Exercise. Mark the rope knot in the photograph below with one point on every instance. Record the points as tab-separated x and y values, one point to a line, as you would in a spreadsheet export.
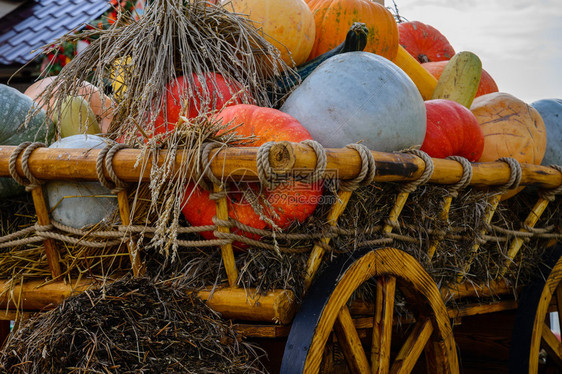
105	158
367	173
26	147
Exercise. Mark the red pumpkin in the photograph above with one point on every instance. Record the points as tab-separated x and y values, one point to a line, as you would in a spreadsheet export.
487	84
452	130
182	98
290	202
424	42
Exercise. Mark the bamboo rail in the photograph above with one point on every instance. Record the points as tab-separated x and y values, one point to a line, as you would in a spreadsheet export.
240	163
234	303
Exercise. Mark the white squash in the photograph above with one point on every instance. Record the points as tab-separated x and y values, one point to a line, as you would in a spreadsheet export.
360	97
79	204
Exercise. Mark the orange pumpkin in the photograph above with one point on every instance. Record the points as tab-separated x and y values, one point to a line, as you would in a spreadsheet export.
287	24
511	128
333	19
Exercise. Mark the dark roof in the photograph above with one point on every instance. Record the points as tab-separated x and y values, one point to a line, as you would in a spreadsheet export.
40	22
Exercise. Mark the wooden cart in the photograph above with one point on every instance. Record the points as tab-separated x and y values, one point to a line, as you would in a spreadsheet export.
330	319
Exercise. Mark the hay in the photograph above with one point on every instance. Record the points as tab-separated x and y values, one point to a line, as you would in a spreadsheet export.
173	38
134	326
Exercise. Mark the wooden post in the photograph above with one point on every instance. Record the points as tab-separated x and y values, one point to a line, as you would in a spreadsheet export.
43	220
396	210
317	252
517	242
443	216
226	249
124	212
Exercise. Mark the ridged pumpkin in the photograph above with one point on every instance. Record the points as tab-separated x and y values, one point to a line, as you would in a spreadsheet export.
287	24
511	128
487	83
424	42
333	19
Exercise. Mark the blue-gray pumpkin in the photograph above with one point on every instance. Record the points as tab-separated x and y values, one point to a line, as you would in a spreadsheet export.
360	97
551	113
79	204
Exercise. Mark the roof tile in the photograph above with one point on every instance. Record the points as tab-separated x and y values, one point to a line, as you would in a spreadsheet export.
41	22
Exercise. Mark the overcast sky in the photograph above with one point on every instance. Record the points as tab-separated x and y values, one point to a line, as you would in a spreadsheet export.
518	41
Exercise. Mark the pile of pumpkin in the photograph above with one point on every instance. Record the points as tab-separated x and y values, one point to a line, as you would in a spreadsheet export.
365	79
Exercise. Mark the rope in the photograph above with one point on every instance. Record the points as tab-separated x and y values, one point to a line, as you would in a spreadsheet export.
105	157
321	161
269	179
467	172
368	168
205	164
426	175
25	147
264	168
515	176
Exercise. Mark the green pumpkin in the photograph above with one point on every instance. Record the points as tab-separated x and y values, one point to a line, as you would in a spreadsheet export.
14	108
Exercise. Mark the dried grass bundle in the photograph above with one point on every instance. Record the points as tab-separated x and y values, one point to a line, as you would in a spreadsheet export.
134	326
192	39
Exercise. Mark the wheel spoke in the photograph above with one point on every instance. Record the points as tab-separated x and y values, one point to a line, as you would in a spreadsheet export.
350	344
382	326
413	347
551	344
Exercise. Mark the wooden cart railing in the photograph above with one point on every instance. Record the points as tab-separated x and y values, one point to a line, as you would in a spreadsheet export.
43	164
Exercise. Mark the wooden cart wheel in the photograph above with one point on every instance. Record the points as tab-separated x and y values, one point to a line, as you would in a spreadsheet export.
534	347
325	310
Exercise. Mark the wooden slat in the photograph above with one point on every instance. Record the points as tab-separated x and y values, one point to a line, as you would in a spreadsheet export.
473	310
263	331
551	344
43	219
468	289
443	217
382	325
517	242
412	348
363	323
240	162
315	258
124	212
349	342
226	249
